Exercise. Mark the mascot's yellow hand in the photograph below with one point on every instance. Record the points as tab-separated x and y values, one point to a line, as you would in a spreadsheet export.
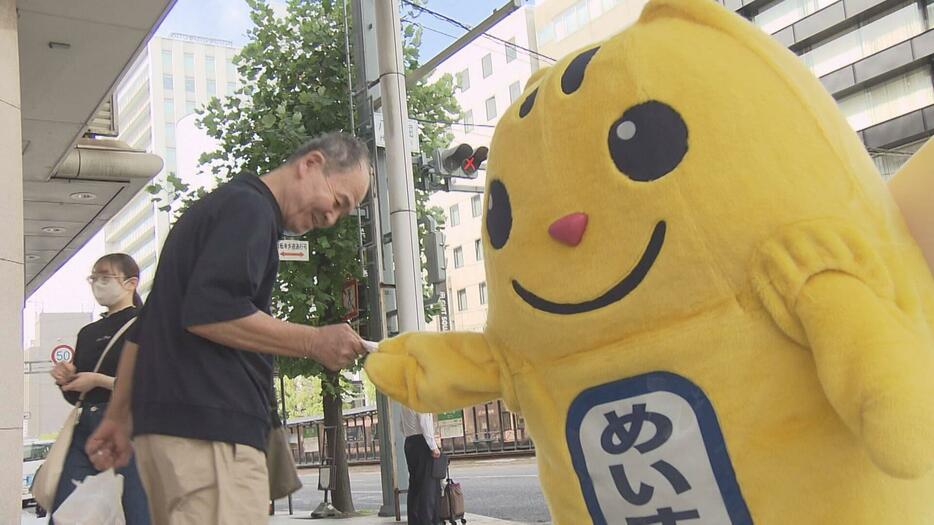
434	372
876	367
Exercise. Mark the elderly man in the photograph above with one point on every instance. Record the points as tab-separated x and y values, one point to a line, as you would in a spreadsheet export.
197	368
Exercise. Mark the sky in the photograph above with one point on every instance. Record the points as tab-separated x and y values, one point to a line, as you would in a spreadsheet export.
230	20
67	290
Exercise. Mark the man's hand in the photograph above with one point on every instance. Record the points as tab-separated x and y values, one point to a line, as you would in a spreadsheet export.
109	446
435	453
63	373
335	346
84	382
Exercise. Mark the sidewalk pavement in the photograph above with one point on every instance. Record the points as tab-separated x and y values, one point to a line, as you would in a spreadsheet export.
372	519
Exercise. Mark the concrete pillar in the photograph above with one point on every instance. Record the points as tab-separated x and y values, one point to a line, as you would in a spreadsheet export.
11	270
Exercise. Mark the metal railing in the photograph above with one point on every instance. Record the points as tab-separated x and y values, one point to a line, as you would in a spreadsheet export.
481	430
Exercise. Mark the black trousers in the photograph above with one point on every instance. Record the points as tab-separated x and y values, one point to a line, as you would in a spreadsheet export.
424	491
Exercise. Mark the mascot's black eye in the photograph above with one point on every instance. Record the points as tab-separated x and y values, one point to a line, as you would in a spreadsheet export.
527	104
648	141
498	215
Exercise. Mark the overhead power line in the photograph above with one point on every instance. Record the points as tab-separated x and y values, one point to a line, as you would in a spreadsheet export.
466	27
452	123
523	58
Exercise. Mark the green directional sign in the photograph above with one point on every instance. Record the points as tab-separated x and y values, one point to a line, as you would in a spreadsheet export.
451	424
453	414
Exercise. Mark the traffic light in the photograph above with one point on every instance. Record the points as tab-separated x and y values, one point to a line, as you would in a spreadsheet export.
473	162
450	160
460	161
434	251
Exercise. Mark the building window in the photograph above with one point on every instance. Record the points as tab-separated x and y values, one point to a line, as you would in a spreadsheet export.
567	22
166	60
167	82
546	34
887	100
487	63
461	300
866	40
511	50
231	88
476	205
209	66
889	162
468	121
212	87
515	91
463	80
482	293
190	106
232	70
782	13
168	106
170	159
459	257
455	215
478	249
170	134
190	84
189	63
491	108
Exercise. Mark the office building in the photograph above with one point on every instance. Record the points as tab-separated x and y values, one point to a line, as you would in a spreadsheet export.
169	81
490	75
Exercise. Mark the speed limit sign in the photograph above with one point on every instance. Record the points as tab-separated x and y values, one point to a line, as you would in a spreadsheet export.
62	354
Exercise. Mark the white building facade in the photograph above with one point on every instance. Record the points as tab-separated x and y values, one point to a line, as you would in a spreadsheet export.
175	76
44	407
490	74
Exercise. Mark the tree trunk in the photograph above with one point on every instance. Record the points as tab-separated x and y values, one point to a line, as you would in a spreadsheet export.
341	496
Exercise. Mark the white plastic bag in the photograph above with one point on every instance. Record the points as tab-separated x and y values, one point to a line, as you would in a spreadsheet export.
96	501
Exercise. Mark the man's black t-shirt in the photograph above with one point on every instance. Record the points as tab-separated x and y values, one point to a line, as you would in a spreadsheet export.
92	340
219	263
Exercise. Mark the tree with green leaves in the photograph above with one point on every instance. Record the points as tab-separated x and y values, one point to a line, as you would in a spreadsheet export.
297	73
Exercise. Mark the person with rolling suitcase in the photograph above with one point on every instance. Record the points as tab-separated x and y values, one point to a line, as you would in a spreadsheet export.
420	454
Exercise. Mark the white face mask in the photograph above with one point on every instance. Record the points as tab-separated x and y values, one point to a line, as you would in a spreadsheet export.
108	294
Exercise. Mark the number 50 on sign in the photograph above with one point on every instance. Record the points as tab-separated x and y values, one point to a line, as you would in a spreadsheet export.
62	354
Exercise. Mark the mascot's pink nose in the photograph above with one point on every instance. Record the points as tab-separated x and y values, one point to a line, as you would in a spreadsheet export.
569	229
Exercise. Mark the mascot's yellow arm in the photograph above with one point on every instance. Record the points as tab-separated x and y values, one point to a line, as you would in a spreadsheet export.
875	367
435	372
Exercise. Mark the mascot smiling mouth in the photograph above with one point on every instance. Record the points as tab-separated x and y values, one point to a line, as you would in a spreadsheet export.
622	288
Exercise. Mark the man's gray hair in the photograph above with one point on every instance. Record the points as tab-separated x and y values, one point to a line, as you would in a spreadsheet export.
341	151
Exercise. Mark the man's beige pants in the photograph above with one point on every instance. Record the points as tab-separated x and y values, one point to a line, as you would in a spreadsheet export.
195	482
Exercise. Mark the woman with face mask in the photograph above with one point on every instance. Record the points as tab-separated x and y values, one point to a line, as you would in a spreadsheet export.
113	281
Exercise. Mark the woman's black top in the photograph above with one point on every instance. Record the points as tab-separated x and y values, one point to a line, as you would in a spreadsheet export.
92	340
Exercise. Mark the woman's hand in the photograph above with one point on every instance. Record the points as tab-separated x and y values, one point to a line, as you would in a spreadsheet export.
63	373
86	381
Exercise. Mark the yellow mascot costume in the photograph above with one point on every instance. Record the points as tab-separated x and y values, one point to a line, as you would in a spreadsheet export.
703	298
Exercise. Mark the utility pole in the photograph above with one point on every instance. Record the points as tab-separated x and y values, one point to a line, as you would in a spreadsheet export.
391	248
378	247
406	254
410	308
